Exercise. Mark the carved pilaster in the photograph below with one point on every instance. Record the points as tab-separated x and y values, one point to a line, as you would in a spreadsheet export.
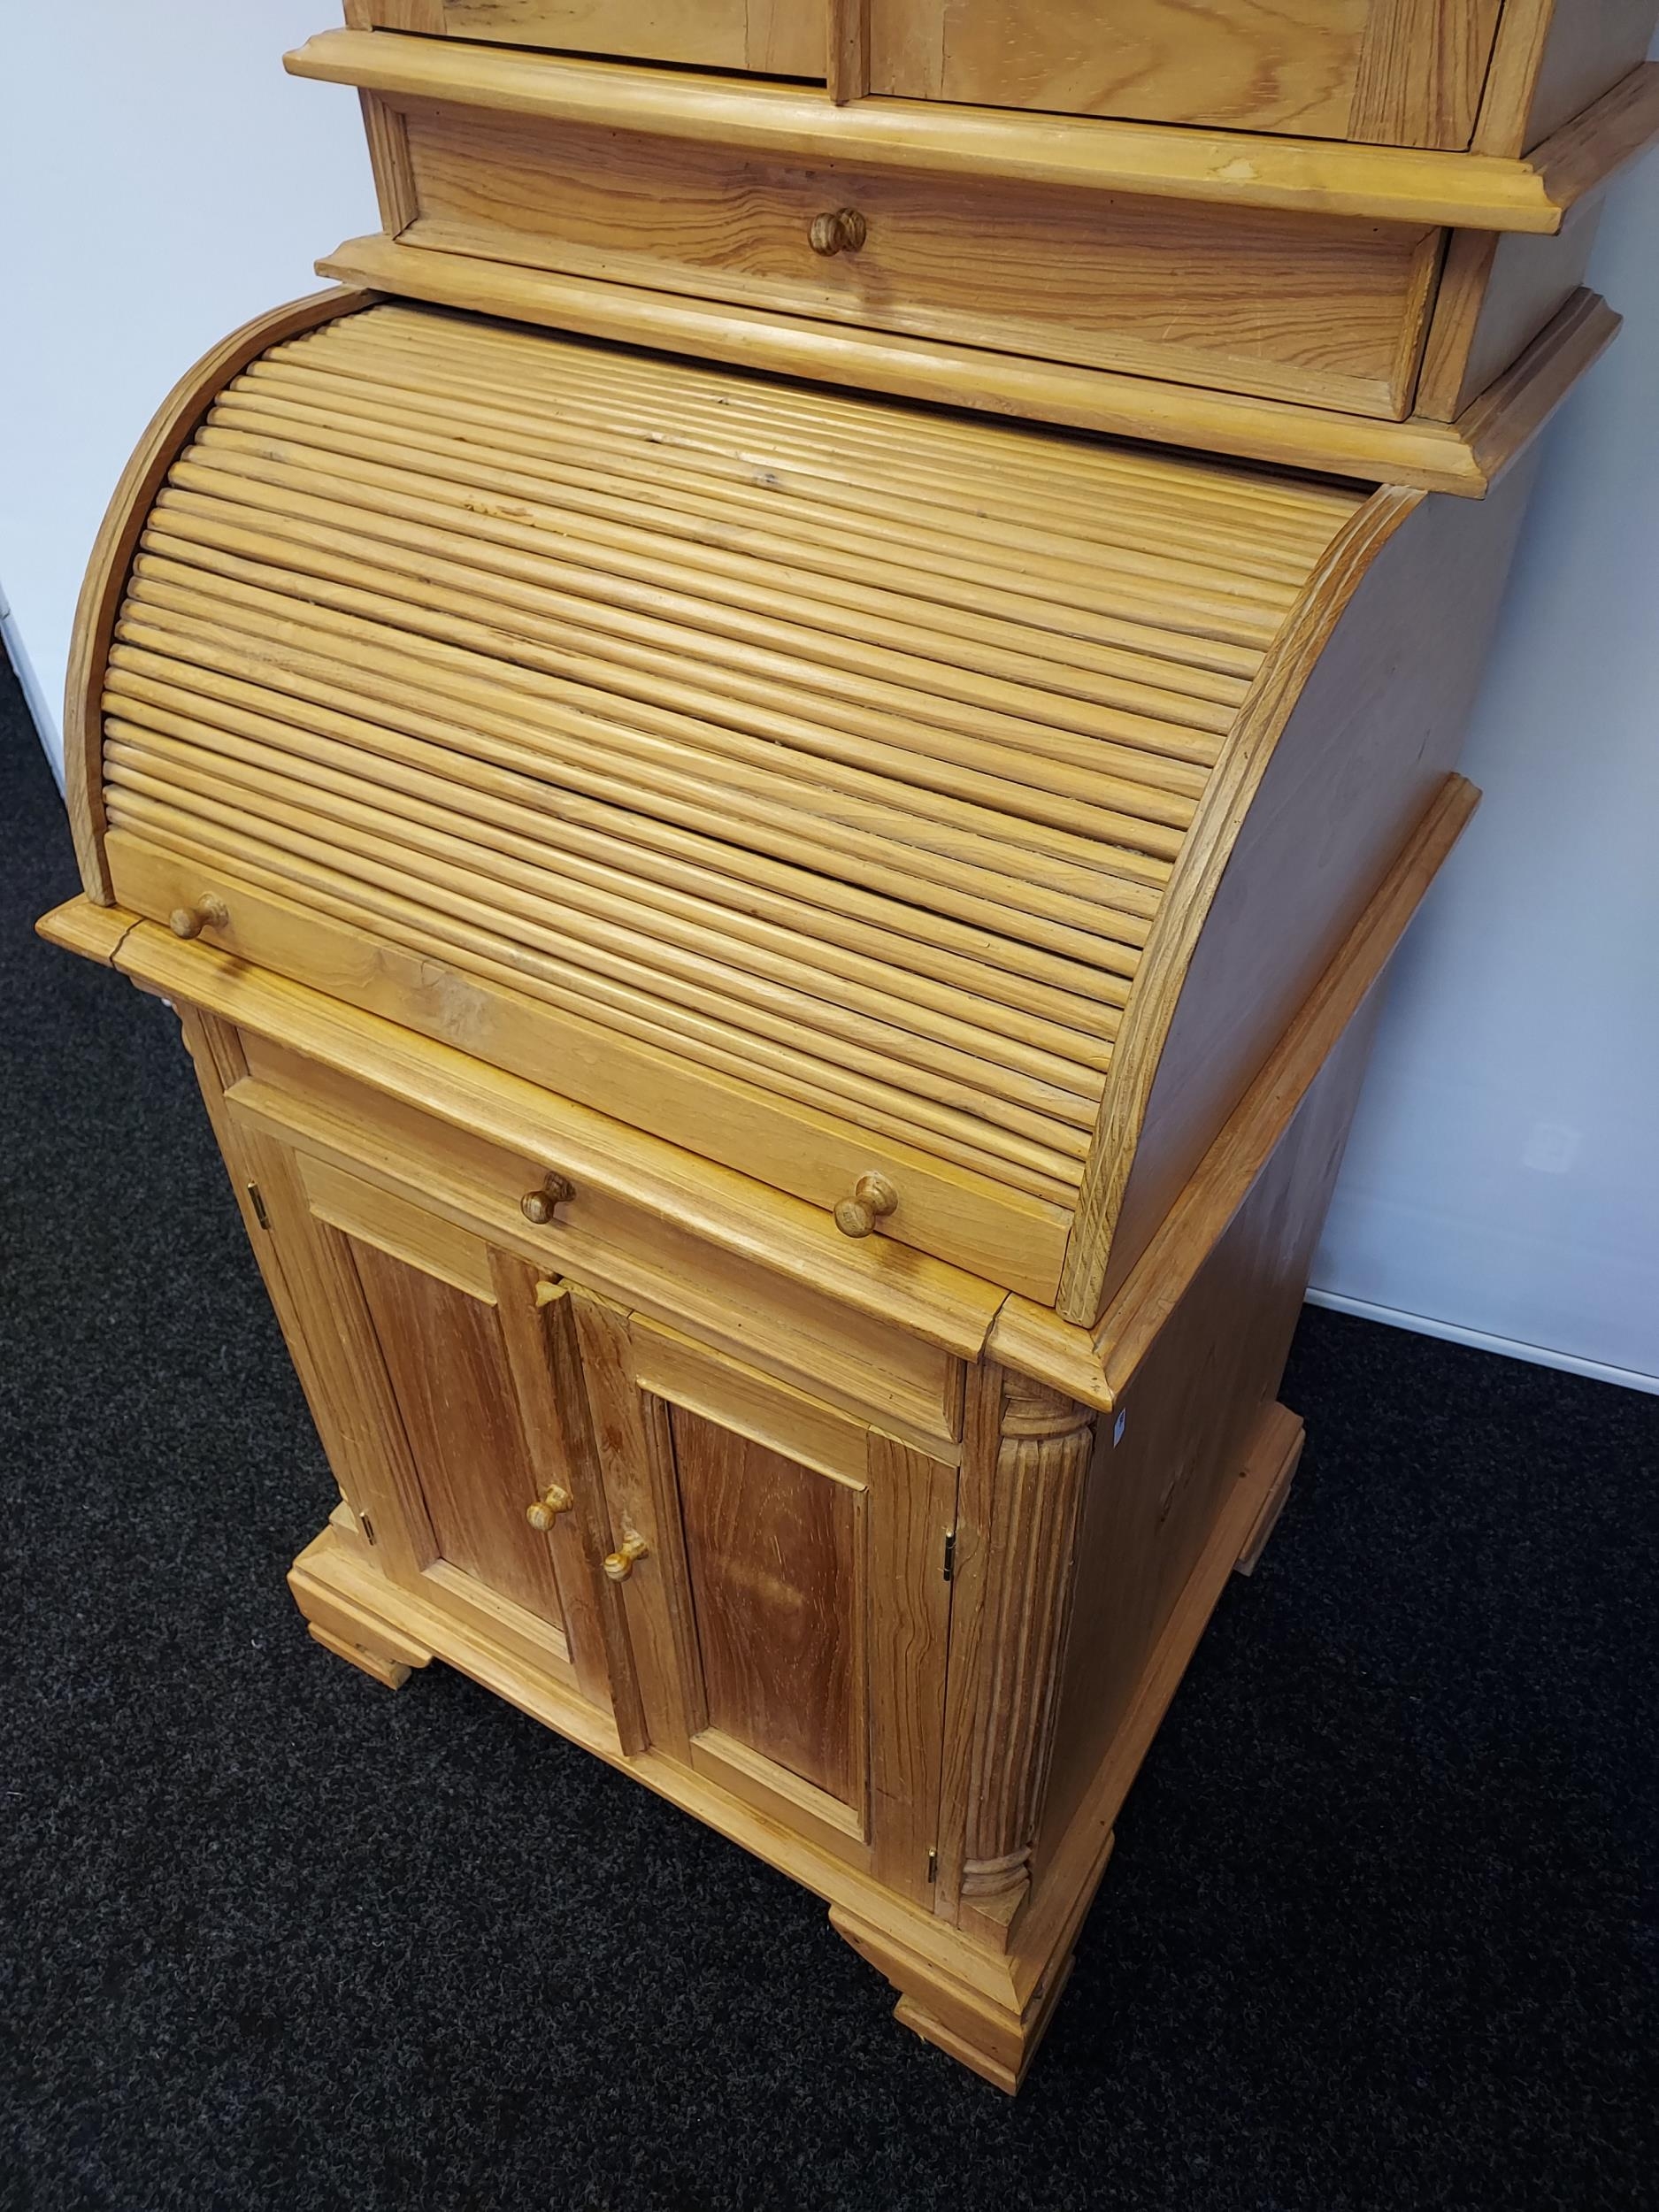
1043	1456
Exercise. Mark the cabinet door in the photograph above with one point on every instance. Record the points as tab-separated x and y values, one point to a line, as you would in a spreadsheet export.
1405	73
788	1605
454	1411
784	38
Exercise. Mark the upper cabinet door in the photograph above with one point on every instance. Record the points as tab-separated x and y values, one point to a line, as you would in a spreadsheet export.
784	38
1401	73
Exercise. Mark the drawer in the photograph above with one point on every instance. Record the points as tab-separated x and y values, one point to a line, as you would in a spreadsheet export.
1279	306
462	1181
770	37
1402	72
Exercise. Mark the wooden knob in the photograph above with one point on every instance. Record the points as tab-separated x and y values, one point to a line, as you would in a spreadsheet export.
844	232
619	1563
191	921
873	1197
537	1205
544	1510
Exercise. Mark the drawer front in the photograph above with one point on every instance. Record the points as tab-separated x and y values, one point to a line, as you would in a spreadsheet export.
1401	73
1285	306
773	37
905	1386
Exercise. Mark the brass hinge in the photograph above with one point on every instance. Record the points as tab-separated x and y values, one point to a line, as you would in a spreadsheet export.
950	1553
256	1199
932	1866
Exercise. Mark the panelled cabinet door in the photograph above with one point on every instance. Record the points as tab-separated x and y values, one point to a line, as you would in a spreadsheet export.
786	1597
456	1428
776	37
1401	73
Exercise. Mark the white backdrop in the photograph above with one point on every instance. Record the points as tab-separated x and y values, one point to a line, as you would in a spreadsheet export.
163	180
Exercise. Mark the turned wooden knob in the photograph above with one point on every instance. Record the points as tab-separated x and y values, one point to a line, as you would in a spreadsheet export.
544	1510
191	921
537	1205
844	232
619	1563
873	1197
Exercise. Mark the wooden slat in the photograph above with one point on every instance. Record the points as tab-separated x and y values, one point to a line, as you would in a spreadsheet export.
1047	1050
1013	1164
709	441
816	745
964	872
993	969
604	945
1105	796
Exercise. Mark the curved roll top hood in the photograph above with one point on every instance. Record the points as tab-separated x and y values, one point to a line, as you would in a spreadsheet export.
805	773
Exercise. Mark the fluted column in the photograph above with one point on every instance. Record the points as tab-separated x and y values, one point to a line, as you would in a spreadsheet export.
1043	1456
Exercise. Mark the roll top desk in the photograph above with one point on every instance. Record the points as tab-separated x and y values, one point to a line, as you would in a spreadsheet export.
772	761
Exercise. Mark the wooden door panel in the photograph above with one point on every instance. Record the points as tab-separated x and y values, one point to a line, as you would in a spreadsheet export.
451	1393
775	1552
1386	71
777	37
789	1613
443	1352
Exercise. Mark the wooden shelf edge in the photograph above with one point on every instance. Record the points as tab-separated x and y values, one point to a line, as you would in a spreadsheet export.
86	926
1418	454
1096	1365
1234	168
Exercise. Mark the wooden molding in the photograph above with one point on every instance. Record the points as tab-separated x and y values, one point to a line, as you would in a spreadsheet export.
1586	154
1429	455
1043	1456
1378	183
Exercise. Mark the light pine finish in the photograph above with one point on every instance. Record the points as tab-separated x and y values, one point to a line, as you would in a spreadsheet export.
652	1185
781	974
775	35
1477	191
1404	72
1043	1444
968	1898
170	431
781	1672
849	53
804	1337
1293	307
362	1127
387	132
963	1218
1038	819
312	733
1320	725
1465	456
